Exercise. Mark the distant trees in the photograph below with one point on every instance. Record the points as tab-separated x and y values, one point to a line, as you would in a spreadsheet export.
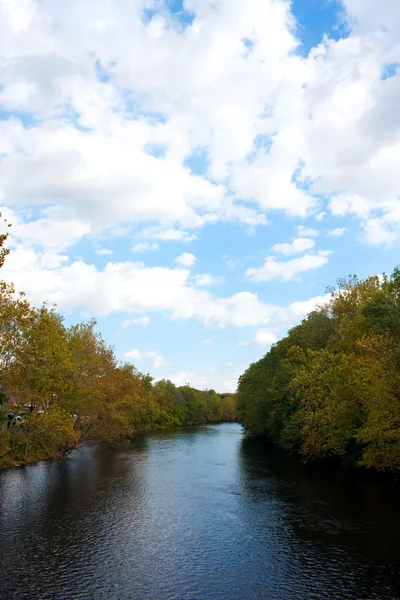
332	386
82	391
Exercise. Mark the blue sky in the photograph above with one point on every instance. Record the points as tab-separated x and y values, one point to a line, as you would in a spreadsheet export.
194	175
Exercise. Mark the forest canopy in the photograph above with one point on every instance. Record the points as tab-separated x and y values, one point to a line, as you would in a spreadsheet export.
60	386
331	387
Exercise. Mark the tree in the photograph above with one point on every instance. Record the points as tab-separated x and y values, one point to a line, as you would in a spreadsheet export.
331	386
43	367
327	414
3	238
16	317
92	362
229	411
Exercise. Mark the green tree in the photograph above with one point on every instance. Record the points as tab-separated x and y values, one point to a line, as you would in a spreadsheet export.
16	318
331	386
40	372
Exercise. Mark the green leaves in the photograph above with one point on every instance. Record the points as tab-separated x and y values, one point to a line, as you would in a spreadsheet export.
332	386
3	238
73	376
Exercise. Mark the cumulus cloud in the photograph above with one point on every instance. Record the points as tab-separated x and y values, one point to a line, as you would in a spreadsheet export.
144	247
307	231
137	354
223	379
285	270
186	259
97	156
156	358
167	235
159	361
107	115
382	230
133	287
262	337
298	246
338	232
187	377
50	234
139	321
204	279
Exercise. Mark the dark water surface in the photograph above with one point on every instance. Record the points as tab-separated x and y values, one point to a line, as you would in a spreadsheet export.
197	513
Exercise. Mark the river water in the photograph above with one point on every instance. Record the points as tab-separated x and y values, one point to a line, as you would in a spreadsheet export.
198	513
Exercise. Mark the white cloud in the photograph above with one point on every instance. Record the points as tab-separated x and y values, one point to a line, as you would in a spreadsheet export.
186	377
104	251
81	168
144	247
198	85
298	246
273	269
338	232
154	356
383	230
208	341
139	321
159	361
223	379
262	337
347	203
131	287
307	231
265	337
106	141
320	216
295	312
230	262
186	259
50	234
204	279
138	355
167	235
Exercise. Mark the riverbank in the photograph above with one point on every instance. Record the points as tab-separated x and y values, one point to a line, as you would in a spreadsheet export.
65	385
124	442
330	388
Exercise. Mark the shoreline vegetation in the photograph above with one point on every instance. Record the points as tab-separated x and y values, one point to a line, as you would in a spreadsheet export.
330	389
63	386
121	442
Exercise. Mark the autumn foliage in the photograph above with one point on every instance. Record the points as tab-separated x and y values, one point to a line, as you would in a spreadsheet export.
60	386
331	388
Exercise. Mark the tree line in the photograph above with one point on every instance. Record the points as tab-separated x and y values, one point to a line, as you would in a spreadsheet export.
331	387
60	386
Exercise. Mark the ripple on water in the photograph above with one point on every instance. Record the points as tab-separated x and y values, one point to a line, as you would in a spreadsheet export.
200	513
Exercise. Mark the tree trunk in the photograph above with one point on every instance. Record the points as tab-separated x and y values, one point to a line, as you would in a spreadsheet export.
4	415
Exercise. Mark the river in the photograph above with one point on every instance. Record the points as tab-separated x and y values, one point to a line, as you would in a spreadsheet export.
197	513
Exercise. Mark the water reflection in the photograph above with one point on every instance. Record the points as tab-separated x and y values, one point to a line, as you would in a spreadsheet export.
345	525
198	513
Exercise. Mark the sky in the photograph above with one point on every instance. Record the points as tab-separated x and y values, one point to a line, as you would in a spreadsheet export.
195	173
